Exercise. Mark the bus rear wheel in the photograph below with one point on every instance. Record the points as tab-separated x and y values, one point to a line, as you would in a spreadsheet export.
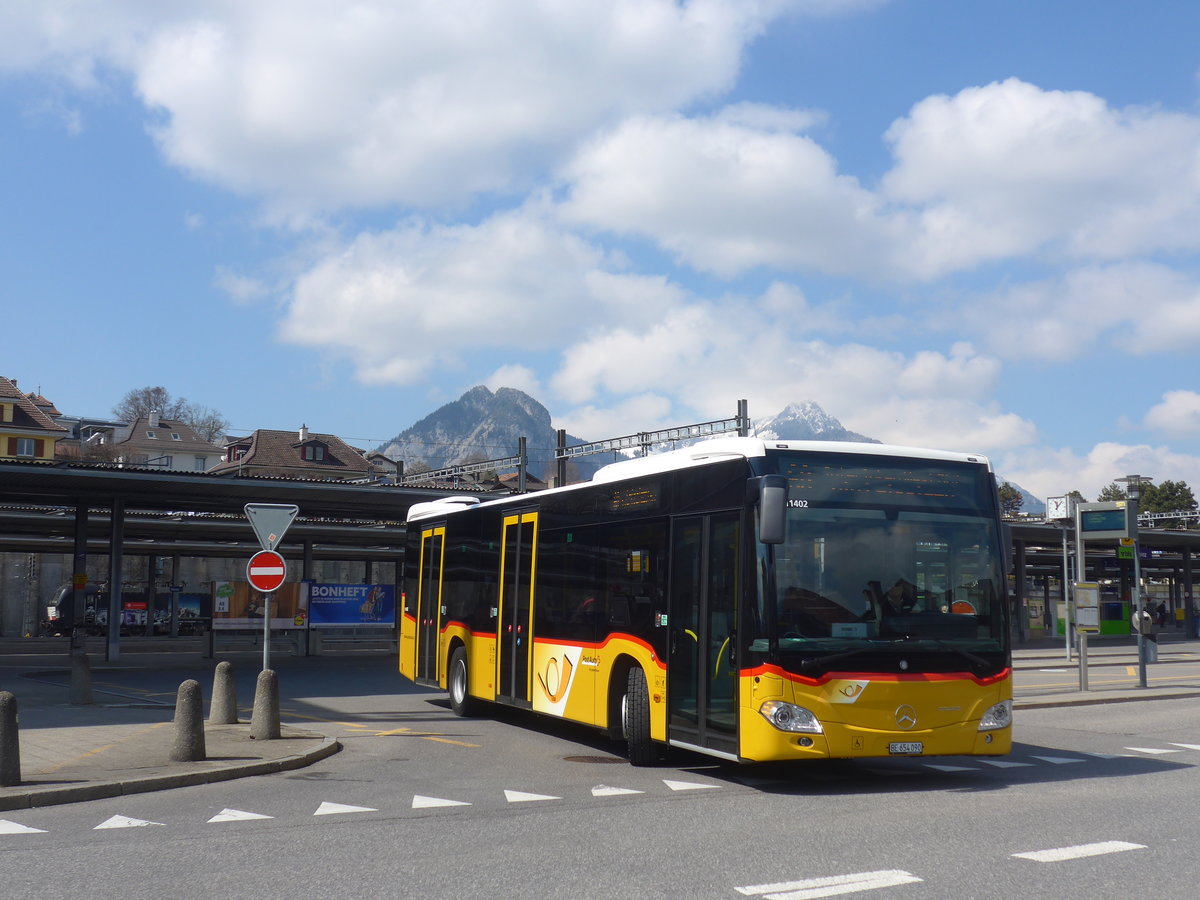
461	702
635	719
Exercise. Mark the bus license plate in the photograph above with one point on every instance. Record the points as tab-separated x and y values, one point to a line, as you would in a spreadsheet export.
906	748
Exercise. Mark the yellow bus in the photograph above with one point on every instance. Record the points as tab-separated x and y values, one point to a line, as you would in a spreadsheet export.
750	600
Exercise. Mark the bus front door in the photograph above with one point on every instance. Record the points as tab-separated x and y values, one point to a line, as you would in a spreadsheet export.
518	562
429	605
701	669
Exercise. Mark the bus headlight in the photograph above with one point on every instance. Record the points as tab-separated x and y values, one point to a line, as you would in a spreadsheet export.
999	716
789	717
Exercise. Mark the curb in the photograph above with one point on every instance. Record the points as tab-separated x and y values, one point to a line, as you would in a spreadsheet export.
38	797
1096	700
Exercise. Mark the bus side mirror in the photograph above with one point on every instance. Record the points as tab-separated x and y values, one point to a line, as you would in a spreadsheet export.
772	508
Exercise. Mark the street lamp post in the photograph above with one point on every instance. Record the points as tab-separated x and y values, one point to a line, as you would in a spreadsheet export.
1132	493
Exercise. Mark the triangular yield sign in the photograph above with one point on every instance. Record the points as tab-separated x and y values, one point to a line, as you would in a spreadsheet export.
522	797
687	785
123	822
330	809
420	802
237	815
7	827
270	521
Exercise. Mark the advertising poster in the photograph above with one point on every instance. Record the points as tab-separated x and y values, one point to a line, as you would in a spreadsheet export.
236	605
347	605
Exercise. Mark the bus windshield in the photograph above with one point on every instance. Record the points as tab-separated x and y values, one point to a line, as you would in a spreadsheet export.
884	559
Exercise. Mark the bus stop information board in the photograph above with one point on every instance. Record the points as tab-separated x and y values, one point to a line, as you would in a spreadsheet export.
1087	607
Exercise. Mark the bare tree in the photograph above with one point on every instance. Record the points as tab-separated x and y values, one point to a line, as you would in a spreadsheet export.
208	423
140	402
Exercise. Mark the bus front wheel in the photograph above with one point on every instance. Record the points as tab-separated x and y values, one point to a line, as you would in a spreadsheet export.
635	719
461	702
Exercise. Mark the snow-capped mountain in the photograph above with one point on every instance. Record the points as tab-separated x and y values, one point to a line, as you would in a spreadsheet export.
805	421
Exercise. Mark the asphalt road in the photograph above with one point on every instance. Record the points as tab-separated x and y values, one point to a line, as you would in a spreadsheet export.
1100	799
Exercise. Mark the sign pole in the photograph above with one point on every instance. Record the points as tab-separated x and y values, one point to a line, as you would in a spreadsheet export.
266	631
270	522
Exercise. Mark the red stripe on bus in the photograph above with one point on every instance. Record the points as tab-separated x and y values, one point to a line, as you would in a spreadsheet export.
880	676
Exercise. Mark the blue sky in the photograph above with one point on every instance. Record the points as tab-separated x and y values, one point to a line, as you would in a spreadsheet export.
951	224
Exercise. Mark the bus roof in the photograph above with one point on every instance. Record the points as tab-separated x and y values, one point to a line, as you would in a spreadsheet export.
709	451
702	453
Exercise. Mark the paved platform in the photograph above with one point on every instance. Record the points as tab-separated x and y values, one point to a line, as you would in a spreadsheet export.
119	744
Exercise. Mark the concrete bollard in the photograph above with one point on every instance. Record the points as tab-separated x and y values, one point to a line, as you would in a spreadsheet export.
264	722
81	680
10	743
188	742
223	709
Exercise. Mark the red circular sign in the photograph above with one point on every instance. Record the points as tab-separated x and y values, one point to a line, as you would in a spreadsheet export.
266	571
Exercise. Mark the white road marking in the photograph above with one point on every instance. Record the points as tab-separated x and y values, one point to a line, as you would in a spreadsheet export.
1187	746
1004	763
7	827
1059	760
603	790
1108	755
420	802
1059	854
333	809
688	785
1155	751
833	886
943	768
522	797
124	822
237	815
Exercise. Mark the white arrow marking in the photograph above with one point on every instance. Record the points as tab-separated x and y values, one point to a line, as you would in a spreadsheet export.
420	802
521	797
237	815
7	827
1108	755
123	822
1078	852
688	785
1004	763
333	809
1188	746
833	886
603	790
1155	751
1058	760
950	768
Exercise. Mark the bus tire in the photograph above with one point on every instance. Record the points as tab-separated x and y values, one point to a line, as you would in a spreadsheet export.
458	684
635	719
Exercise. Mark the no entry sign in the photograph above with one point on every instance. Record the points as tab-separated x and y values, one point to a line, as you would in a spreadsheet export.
266	571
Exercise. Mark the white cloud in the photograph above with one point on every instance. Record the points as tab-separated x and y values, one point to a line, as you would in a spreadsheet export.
1177	415
405	303
724	196
522	378
1136	307
1008	169
1047	472
317	105
705	366
241	288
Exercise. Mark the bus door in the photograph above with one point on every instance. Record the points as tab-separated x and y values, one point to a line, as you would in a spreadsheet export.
702	664
518	562
429	603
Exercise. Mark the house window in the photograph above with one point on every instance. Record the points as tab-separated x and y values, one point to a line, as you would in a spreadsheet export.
314	452
200	464
167	461
175	437
26	447
153	435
